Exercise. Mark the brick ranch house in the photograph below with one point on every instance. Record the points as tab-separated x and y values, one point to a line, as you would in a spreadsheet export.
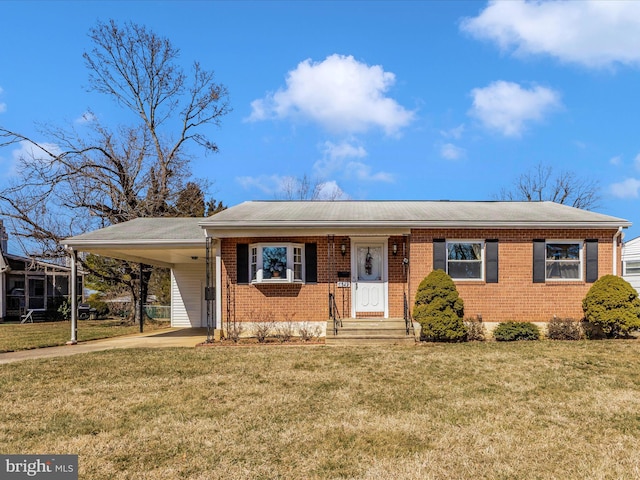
304	262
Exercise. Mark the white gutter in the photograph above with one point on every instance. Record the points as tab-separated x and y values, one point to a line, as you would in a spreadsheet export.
615	250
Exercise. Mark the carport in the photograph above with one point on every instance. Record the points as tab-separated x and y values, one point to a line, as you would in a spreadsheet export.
179	244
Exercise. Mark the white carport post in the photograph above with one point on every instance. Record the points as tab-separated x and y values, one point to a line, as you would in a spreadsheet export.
73	292
213	289
218	319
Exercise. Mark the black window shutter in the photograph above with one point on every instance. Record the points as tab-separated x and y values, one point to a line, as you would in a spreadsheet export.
311	262
439	254
242	262
592	260
539	262
491	251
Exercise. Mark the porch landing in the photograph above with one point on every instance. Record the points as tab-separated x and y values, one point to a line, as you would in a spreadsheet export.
370	331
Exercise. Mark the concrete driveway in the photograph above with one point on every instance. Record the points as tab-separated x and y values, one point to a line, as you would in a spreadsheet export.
174	337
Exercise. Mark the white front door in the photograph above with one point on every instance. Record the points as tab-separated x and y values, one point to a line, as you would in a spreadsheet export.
369	278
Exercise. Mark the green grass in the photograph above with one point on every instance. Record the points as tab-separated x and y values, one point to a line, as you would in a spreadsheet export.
534	410
14	337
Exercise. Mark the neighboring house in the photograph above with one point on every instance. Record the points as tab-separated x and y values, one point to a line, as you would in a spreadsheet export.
29	284
294	261
631	262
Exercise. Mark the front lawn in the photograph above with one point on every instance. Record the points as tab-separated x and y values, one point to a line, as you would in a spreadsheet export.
14	337
534	410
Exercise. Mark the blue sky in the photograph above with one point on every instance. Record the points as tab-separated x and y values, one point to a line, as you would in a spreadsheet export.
382	100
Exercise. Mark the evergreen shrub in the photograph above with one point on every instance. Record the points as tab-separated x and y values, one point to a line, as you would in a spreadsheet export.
513	331
612	305
439	309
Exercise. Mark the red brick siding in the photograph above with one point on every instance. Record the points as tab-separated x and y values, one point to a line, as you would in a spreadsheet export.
286	301
397	281
514	297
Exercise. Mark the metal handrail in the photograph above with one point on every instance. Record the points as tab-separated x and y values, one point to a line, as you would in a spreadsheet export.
407	316
334	314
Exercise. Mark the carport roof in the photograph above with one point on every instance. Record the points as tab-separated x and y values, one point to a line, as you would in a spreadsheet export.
158	241
145	230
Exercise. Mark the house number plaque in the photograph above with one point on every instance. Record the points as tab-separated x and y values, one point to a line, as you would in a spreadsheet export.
344	284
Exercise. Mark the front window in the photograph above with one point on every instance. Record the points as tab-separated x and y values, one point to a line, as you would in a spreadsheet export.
464	260
297	263
563	260
276	262
254	264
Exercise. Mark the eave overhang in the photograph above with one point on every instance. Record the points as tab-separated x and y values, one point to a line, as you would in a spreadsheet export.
161	253
308	228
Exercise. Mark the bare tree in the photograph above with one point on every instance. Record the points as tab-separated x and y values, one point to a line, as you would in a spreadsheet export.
306	188
540	184
73	181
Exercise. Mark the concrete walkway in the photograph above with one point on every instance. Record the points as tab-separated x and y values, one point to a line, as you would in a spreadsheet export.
175	337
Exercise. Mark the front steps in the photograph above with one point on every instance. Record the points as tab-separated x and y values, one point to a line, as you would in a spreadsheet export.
370	331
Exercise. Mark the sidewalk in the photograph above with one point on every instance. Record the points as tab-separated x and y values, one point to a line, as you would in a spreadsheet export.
175	337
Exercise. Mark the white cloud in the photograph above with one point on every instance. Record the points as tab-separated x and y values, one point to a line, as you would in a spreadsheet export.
341	159
636	162
455	133
277	186
3	106
331	191
268	184
27	152
506	107
334	157
340	94
626	189
344	150
363	172
592	33
617	160
451	152
336	160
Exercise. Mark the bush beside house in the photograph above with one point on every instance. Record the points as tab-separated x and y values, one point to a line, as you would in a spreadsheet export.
476	331
564	329
612	306
514	331
439	309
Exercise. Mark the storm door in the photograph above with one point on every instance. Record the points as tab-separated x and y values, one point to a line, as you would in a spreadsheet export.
369	278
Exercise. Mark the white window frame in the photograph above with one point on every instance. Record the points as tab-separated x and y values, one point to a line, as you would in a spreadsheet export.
256	259
580	244
635	267
482	259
